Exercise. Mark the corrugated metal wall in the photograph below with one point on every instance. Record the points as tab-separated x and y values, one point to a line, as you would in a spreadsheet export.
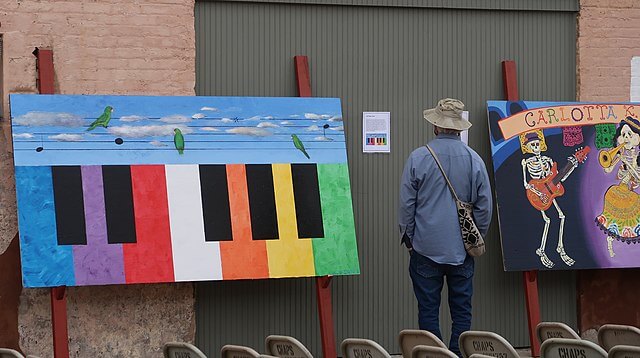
395	59
541	5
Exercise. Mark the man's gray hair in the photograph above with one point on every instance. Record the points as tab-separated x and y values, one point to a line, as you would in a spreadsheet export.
448	131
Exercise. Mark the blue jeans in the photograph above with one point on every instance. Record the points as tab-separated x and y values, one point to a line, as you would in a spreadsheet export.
428	278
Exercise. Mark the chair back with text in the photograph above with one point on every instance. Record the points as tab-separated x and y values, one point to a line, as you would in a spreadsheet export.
486	343
410	338
362	348
622	351
546	330
563	348
232	351
285	346
431	352
611	335
10	353
181	350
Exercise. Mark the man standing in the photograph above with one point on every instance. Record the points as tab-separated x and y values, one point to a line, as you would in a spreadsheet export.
429	223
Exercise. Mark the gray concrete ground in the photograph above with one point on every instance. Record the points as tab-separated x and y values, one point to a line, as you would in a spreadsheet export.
524	352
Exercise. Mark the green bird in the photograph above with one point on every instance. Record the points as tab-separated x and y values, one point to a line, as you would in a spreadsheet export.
103	120
298	143
178	140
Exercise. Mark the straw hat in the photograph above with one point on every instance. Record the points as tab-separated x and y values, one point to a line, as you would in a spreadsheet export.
447	114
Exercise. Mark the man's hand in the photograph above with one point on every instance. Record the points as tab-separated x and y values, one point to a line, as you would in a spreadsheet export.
407	242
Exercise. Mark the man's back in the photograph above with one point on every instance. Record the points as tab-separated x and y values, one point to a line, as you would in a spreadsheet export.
427	209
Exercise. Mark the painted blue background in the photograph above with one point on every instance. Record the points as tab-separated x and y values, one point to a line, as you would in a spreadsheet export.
44	262
66	141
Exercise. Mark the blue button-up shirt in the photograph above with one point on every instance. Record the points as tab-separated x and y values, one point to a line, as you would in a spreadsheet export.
428	213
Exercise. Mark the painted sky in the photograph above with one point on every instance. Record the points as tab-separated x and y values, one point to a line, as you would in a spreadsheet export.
217	130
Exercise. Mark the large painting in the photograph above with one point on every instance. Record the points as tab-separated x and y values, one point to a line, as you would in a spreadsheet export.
140	189
567	184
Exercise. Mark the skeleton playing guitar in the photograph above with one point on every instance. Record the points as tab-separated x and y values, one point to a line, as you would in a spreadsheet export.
544	191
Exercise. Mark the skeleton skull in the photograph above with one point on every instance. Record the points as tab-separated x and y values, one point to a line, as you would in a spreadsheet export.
628	137
534	146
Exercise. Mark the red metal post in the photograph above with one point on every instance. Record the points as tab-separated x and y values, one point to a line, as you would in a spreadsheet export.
323	284
325	311
510	79
533	309
44	65
59	322
303	79
45	83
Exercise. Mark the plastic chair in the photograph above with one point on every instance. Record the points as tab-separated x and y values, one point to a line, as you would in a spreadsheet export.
623	351
285	346
421	351
546	330
231	351
359	348
486	343
410	338
9	353
181	350
563	348
611	335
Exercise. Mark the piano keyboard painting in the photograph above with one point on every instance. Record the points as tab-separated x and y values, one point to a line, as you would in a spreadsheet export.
180	189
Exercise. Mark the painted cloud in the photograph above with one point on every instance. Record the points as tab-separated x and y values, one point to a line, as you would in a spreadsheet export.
176	118
146	131
132	118
39	119
316	116
63	137
157	143
267	125
256	132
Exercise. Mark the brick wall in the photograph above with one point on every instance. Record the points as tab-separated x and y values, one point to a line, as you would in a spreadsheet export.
100	47
608	38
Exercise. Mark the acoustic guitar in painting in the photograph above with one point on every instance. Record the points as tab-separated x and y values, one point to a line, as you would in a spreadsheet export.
545	190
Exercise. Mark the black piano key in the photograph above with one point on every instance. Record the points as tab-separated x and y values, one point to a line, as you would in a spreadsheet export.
215	203
262	202
69	205
306	194
118	202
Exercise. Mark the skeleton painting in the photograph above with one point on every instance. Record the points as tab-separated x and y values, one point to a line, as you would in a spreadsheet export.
539	167
620	217
578	196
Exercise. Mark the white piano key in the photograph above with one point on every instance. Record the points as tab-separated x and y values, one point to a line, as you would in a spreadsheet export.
193	258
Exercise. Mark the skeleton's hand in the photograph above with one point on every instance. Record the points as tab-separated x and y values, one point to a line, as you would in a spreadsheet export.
573	161
609	169
528	186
